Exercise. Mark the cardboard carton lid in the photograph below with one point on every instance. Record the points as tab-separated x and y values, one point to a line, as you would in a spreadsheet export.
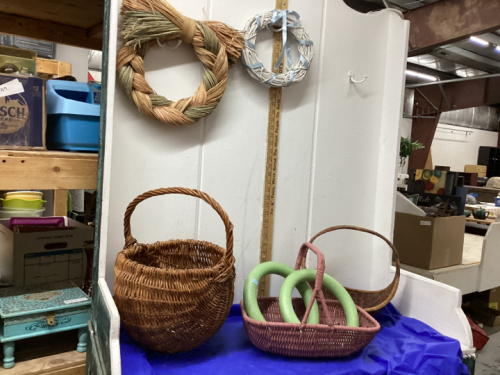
405	206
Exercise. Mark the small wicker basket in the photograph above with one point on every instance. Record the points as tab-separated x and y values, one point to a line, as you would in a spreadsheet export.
333	339
370	301
173	296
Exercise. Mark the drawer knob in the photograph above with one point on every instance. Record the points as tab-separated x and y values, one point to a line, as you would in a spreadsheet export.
51	318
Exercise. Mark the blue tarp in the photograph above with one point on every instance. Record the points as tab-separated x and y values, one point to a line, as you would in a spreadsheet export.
404	346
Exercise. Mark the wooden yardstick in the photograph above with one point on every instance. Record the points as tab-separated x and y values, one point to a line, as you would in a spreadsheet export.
273	127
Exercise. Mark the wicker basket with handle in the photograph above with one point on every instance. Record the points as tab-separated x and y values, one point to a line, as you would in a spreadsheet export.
330	338
370	301
174	295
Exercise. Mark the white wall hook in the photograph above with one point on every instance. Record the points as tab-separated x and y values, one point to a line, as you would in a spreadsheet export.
169	43
351	77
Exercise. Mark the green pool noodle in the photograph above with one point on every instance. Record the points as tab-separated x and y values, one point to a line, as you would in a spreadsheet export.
301	276
252	282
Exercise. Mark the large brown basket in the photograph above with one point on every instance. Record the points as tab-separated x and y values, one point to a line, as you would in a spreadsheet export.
370	301
174	295
331	338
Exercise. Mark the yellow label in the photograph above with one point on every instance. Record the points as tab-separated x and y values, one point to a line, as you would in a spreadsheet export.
14	113
494	305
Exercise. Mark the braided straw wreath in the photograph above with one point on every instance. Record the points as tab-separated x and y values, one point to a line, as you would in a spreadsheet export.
147	22
286	20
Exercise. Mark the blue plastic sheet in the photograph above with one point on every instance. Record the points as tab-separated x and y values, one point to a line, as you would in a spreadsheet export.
404	346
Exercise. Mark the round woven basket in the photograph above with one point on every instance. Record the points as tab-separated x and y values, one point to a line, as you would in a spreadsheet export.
174	295
370	301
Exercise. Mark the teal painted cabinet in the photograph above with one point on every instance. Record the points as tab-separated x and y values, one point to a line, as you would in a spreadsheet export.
41	310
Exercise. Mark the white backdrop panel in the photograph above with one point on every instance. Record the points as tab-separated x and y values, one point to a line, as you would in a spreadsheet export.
333	137
337	152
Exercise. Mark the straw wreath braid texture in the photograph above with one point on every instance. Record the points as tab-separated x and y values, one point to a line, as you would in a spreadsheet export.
218	46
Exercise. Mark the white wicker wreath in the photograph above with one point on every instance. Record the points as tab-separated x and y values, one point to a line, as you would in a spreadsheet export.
292	73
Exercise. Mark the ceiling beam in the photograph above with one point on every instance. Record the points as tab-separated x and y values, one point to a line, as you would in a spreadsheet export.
433	72
432	100
449	21
468	58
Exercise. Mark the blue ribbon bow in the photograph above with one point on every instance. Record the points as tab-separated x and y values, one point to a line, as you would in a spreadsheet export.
280	16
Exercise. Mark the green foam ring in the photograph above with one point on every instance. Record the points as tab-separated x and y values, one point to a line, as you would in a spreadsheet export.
267	268
301	276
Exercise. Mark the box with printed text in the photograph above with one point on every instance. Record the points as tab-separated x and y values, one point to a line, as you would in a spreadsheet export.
22	112
43	257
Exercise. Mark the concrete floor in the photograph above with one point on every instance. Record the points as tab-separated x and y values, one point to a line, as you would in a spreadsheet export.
488	359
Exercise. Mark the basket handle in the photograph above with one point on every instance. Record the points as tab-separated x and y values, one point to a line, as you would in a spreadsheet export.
320	272
130	240
360	229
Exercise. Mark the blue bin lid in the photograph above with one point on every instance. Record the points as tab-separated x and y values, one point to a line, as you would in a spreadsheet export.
68	97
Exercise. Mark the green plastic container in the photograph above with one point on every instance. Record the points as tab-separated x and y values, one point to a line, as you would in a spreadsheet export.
22	204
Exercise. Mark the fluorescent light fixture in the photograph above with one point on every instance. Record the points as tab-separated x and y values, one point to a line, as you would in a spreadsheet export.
479	41
497	49
427	77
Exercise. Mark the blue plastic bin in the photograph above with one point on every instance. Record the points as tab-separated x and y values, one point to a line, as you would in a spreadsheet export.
72	117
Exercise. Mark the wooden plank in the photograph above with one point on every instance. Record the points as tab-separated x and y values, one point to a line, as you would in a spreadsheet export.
449	21
69	363
77	13
64	68
47	173
53	67
96	31
479	189
48	31
473	220
49	154
61	202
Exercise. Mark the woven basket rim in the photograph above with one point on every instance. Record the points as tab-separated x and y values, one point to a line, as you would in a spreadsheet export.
392	287
139	247
318	327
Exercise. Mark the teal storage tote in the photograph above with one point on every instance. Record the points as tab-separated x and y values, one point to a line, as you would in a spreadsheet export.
72	116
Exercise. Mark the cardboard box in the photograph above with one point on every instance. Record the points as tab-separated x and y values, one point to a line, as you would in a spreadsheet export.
22	112
492	297
427	242
43	257
482	313
479	169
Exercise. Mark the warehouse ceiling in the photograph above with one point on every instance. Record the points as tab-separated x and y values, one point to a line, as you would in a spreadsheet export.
466	58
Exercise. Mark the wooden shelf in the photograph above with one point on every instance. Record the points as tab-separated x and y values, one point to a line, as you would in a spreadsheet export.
477	221
72	22
48	170
70	363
